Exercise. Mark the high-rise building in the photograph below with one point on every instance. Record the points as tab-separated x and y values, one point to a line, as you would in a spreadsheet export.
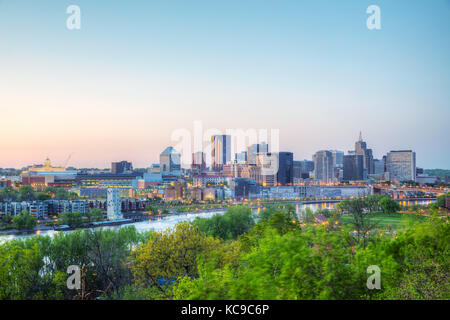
285	175
353	167
268	163
241	157
303	168
220	151
323	166
169	160
361	148
198	161
254	149
338	158
114	204
121	167
378	166
401	165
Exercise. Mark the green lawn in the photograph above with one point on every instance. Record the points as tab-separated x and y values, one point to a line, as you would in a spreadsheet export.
393	220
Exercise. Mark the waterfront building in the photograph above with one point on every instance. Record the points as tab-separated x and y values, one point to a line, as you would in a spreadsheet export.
114	204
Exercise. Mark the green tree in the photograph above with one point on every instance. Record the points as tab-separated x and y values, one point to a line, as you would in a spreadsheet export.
41	196
27	193
169	255
72	219
234	222
94	214
9	194
24	221
440	201
389	205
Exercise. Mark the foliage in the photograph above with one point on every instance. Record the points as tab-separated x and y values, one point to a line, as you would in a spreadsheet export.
169	255
35	268
24	221
234	222
389	205
95	214
72	219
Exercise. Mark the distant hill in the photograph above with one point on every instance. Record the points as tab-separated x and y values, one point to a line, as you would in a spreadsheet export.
437	172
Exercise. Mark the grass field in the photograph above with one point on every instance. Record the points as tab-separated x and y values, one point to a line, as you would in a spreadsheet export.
389	221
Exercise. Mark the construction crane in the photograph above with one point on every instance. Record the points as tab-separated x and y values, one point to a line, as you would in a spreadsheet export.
68	158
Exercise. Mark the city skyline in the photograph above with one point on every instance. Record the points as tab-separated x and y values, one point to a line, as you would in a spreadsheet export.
117	88
108	163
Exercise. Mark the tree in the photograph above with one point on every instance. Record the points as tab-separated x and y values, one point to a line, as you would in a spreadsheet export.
8	194
151	209
389	205
72	219
24	221
361	219
440	201
234	222
94	214
27	193
42	196
169	255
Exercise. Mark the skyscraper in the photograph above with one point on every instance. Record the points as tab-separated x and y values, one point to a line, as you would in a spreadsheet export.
401	165
241	157
169	160
285	175
353	167
303	168
220	151
323	166
367	154
269	165
198	161
338	158
254	149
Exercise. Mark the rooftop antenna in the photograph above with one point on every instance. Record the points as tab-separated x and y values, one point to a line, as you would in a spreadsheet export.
360	136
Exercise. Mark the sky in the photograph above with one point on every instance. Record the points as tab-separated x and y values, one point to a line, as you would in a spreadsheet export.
138	71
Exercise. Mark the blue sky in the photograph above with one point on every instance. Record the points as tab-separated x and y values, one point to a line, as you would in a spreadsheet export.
138	70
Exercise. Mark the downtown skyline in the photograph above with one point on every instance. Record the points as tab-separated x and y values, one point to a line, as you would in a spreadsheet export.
117	89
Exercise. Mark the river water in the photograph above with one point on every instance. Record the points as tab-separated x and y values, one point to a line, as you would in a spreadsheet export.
171	221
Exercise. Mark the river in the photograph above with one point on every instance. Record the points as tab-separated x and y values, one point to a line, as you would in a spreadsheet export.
171	221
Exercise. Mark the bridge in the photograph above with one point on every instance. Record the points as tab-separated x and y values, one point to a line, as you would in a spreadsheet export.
401	192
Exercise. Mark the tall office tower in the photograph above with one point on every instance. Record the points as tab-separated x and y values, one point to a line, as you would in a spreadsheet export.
302	169
241	157
285	175
254	149
401	165
338	158
121	167
323	166
220	151
353	167
114	204
269	165
361	148
198	161
378	166
169	160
